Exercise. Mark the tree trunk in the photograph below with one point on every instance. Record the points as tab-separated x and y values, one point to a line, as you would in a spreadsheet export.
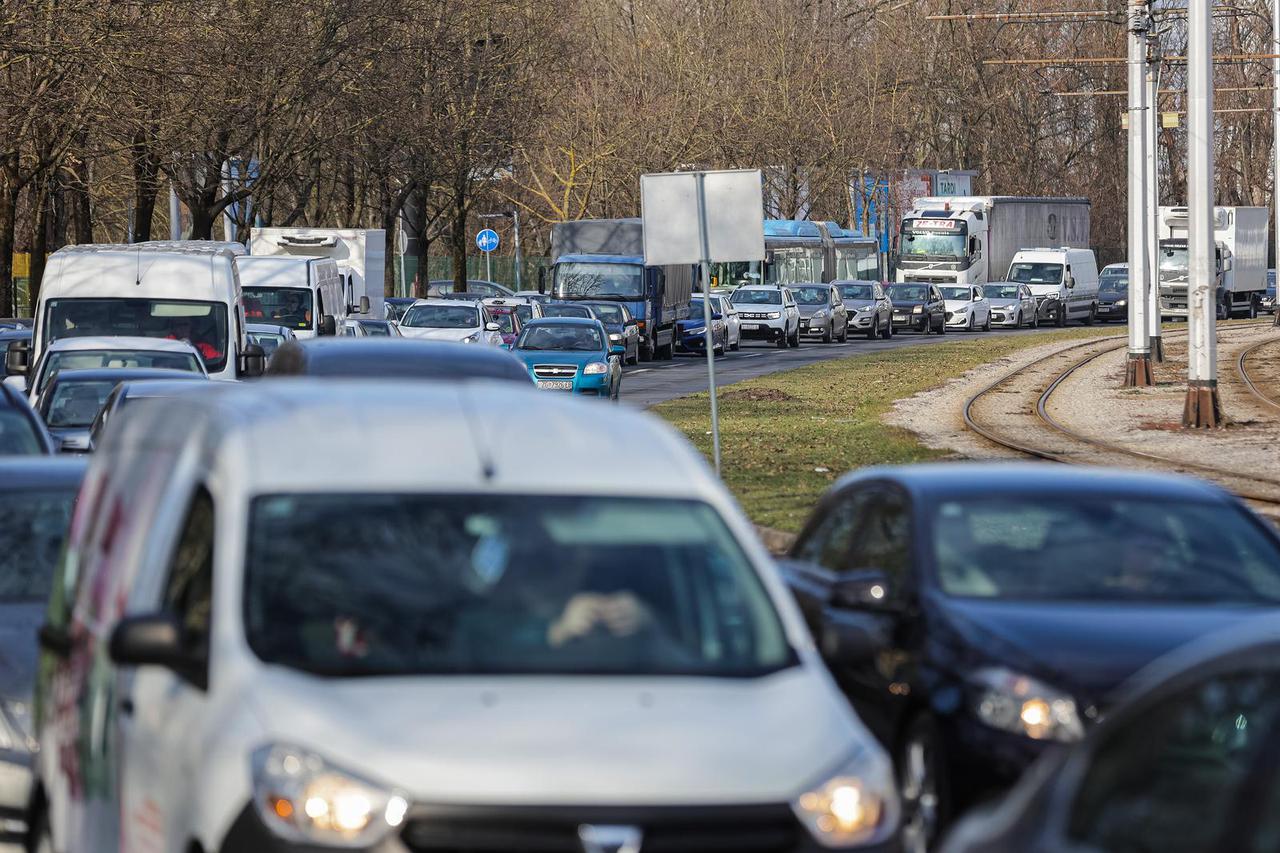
8	213
146	186
81	203
42	201
459	239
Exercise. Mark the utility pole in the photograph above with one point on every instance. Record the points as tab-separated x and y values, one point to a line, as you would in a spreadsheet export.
1275	127
1138	369
1203	408
1154	337
515	219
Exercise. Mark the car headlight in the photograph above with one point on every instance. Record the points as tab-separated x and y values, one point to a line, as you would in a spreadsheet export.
1023	705
856	804
919	309
1120	303
302	797
774	315
595	368
631	330
15	727
471	339
819	315
613	337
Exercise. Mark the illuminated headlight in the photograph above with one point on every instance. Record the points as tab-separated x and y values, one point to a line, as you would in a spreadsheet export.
819	315
1120	303
1023	705
302	797
774	315
919	309
613	337
595	368
855	805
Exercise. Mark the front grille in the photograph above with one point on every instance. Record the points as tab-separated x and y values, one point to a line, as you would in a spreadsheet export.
753	316
555	371
929	279
693	829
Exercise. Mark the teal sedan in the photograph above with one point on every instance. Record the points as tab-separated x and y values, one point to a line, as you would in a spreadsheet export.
570	354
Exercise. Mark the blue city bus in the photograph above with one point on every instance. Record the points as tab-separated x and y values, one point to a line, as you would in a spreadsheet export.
798	251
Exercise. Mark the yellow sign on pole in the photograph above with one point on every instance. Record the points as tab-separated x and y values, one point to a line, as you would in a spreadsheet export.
21	265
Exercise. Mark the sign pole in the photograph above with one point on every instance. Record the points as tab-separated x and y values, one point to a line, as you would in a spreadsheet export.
488	266
709	336
1202	408
515	218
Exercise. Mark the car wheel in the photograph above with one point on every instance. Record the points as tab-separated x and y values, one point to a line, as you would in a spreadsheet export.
783	343
1017	321
986	327
829	334
969	328
844	332
888	329
1253	308
795	338
1093	315
648	352
736	345
942	326
1035	320
874	331
1062	316
922	786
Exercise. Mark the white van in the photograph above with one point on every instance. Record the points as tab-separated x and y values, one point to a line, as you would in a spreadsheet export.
359	253
1064	282
181	290
473	650
301	293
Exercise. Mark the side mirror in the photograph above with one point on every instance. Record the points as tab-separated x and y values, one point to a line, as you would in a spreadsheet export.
1227	264
152	640
363	307
492	327
328	326
253	360
542	279
717	316
17	358
1071	282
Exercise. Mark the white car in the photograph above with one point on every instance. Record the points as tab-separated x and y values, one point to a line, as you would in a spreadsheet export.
767	312
731	318
451	320
967	307
89	353
483	648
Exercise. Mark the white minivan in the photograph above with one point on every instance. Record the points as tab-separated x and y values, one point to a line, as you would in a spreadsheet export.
179	290
300	293
1064	282
477	649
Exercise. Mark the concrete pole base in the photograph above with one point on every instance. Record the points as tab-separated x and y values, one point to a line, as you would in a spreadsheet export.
1157	349
1137	372
1203	409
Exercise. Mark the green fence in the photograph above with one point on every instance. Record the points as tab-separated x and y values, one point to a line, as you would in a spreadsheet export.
503	271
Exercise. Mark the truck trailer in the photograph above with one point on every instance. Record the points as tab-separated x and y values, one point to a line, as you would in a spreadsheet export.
972	239
1240	260
360	254
603	260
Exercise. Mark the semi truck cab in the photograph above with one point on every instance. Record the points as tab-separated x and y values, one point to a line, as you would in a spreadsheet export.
944	245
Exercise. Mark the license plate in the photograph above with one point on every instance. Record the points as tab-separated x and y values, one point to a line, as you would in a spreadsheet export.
752	327
1104	309
556	384
899	316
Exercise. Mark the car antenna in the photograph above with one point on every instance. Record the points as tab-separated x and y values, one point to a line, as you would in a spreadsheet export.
488	469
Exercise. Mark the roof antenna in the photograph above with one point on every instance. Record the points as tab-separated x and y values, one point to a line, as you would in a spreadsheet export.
488	469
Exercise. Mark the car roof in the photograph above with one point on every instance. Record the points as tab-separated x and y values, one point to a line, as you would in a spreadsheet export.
934	480
169	386
590	322
38	473
463	298
121	343
121	374
253	434
266	327
755	286
394	358
400	300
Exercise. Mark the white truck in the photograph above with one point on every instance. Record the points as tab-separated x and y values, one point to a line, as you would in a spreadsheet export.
1240	258
360	253
972	239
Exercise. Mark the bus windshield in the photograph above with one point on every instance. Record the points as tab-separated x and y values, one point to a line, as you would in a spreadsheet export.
204	324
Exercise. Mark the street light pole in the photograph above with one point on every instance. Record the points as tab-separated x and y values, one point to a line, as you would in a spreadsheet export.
1155	339
1138	368
1202	408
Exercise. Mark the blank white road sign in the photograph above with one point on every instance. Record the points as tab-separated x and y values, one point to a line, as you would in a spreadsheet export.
734	217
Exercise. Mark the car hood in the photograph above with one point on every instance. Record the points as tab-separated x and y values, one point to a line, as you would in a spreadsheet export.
569	740
438	334
18	650
1110	298
810	310
907	303
1046	289
1001	302
859	304
553	356
1086	648
958	305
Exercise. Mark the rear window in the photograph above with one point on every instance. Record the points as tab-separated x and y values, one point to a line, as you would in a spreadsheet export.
18	435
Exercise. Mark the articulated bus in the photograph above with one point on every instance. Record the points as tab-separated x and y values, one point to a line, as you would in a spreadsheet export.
797	250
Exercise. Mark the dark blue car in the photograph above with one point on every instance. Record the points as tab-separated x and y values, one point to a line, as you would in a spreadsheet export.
976	614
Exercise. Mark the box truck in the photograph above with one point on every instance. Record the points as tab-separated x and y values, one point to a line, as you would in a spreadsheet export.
1240	260
603	259
972	239
360	255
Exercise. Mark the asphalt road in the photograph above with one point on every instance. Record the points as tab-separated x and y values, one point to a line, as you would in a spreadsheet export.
654	382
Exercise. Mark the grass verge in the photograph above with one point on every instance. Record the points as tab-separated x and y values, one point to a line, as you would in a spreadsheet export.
787	436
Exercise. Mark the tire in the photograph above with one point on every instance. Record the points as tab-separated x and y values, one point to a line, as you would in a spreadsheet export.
648	352
1035	320
1253	308
829	335
844	332
923	787
874	331
783	343
970	327
986	327
1062	318
795	338
942	327
1093	315
888	329
738	344
1017	323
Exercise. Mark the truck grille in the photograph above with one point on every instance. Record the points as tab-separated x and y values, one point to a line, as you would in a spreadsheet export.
929	279
555	371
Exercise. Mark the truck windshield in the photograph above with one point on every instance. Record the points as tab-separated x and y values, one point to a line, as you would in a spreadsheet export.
932	245
1036	273
204	324
406	584
576	280
279	306
1173	259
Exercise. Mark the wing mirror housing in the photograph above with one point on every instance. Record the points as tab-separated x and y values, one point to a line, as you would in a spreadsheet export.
253	360
17	358
328	326
151	640
362	307
492	327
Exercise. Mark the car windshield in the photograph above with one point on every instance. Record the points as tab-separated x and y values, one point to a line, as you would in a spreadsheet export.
32	527
857	291
1036	273
1042	547
396	310
908	292
575	280
204	324
566	311
961	293
524	312
280	306
932	245
441	317
1114	285
465	584
811	295
89	359
745	296
505	320
75	403
1000	291
375	328
610	313
269	341
18	435
560	337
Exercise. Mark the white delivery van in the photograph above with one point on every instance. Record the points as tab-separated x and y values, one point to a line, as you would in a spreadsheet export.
1064	282
302	293
483	644
185	290
359	253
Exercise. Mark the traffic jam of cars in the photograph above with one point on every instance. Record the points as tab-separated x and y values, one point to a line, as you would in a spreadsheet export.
290	565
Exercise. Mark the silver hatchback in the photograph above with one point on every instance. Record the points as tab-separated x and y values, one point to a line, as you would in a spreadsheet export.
822	312
1013	305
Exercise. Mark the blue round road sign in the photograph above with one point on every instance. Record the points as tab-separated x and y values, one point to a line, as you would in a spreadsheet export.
487	240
